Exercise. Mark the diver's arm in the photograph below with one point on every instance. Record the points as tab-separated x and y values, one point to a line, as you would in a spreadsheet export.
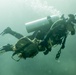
63	43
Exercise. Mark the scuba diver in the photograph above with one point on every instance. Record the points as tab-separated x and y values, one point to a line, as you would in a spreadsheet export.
57	34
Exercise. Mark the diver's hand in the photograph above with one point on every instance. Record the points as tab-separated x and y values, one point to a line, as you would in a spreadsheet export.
63	46
46	52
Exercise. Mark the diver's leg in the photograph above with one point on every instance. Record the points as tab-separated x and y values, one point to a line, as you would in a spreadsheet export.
8	30
34	35
37	34
6	48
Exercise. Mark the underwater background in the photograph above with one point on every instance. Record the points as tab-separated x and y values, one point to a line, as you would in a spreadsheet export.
14	14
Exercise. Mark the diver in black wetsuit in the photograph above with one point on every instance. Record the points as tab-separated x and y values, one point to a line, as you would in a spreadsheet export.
56	35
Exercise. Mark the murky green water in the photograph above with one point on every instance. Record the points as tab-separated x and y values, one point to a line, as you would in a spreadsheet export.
15	13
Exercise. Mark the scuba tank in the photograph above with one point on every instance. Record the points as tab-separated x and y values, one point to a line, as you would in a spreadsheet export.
40	23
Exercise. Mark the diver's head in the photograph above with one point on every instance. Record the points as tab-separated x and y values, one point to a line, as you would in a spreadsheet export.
72	18
71	23
70	28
